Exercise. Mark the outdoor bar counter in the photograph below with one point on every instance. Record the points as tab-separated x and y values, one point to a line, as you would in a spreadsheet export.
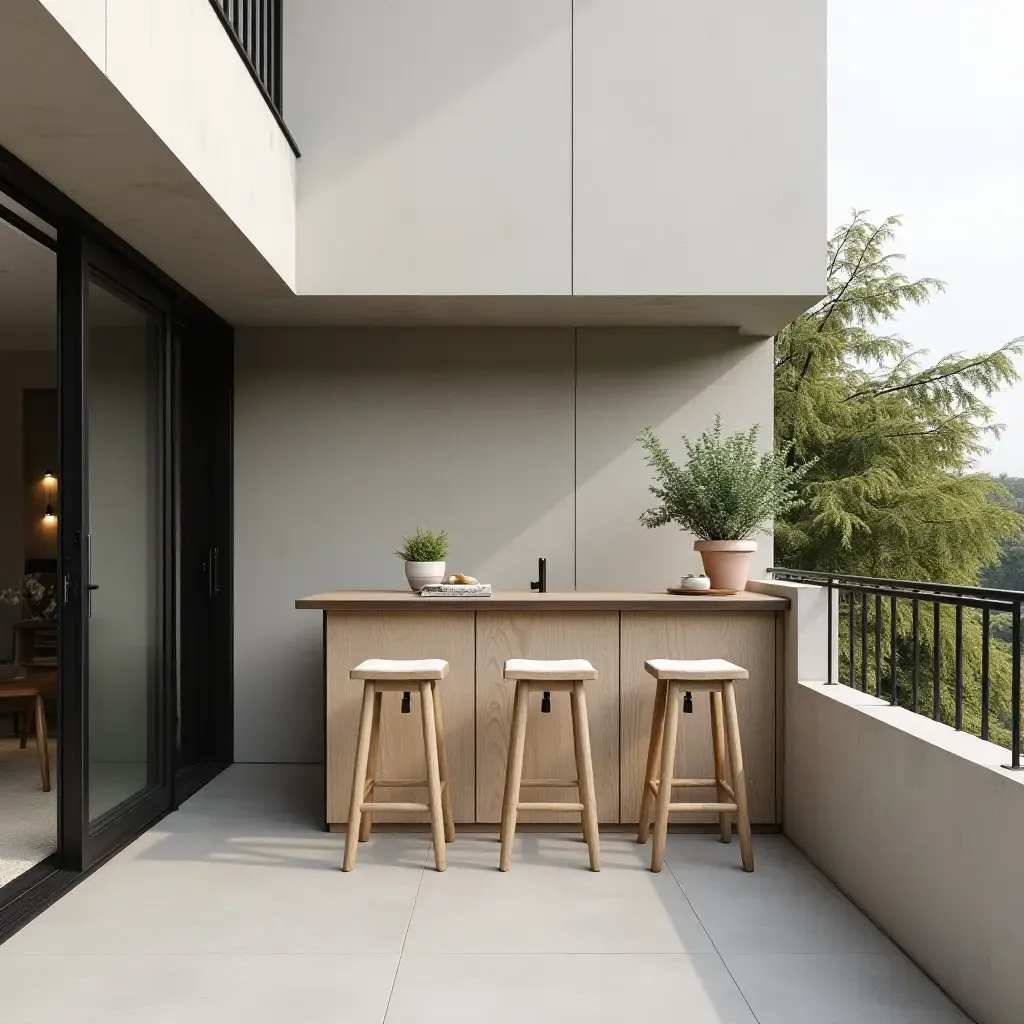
616	632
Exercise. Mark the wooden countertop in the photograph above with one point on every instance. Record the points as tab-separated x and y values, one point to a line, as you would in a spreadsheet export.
525	600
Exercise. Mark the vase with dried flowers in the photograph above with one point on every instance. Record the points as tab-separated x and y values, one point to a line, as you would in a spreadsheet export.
36	596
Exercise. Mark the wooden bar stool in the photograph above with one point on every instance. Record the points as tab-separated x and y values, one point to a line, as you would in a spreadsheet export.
549	676
381	676
714	677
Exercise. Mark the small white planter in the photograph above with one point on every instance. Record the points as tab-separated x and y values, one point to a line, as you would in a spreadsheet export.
419	574
726	562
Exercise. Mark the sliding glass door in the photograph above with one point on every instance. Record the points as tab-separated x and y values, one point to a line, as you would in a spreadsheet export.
124	387
117	540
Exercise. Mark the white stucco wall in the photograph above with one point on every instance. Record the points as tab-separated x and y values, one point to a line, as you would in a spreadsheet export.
918	824
922	828
699	157
553	147
520	442
436	142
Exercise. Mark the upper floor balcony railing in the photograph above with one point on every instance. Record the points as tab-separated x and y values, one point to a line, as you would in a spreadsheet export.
255	27
958	660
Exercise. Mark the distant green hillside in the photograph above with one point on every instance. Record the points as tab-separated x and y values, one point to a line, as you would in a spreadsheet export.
1008	574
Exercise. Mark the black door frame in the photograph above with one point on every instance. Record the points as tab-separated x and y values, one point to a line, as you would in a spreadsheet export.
81	239
97	839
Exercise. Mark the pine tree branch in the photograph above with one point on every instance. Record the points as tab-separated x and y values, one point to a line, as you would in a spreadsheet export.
842	245
921	381
853	275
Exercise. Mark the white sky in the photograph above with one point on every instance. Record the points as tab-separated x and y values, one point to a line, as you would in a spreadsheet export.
926	119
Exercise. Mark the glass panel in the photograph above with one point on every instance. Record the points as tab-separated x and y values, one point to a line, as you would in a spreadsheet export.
125	569
29	494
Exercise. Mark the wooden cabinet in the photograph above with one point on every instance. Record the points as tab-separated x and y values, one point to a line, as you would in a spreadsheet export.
477	699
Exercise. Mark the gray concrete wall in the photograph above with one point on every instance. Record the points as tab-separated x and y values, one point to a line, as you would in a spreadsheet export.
520	442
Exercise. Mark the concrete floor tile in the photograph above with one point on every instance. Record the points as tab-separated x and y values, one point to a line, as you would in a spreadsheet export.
130	989
550	902
840	989
554	989
251	894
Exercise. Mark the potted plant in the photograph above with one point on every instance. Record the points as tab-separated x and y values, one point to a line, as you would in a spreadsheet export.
424	554
727	492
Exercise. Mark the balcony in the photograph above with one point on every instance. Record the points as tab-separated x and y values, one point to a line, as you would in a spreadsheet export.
893	894
243	872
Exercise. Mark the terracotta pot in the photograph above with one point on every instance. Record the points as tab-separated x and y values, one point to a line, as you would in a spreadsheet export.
726	562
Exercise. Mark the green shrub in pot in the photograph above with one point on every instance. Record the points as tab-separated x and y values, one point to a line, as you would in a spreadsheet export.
726	492
424	553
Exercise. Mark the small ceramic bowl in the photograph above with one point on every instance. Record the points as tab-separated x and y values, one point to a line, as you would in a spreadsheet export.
695	583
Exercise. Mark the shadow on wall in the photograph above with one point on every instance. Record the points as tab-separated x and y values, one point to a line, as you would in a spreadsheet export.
405	60
676	380
345	439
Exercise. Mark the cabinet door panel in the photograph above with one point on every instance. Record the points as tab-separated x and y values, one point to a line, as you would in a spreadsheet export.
549	744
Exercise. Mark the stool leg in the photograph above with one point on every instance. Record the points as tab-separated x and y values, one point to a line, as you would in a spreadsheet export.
653	757
739	782
359	776
372	766
668	764
514	773
718	742
23	720
433	775
585	774
42	743
442	760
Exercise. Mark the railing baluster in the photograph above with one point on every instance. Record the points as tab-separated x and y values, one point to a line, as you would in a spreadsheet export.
1015	691
828	669
916	636
853	646
864	642
985	626
959	666
937	664
894	697
878	645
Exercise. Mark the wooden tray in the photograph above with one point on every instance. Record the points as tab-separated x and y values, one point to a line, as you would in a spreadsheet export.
680	592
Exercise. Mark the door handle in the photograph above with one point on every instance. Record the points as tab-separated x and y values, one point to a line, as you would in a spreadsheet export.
215	570
94	586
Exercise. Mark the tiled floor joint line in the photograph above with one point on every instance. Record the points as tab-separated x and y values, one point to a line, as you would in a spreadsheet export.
675	878
405	937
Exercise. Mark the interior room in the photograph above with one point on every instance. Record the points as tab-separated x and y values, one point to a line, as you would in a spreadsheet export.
29	487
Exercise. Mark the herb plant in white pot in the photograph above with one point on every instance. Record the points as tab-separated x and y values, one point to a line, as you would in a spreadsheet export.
727	492
424	553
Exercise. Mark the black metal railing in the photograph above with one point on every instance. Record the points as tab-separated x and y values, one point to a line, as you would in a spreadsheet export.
973	637
256	29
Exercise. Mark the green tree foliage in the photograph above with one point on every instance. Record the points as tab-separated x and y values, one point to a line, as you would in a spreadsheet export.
892	492
1008	572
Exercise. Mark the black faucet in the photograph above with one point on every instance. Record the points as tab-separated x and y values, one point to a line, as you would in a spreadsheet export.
541	584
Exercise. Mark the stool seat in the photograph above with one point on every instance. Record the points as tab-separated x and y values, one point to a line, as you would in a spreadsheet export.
708	670
400	670
567	669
